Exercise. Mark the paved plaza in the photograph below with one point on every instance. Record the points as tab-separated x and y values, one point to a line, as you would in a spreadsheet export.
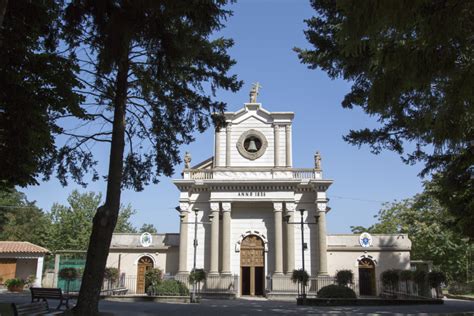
263	307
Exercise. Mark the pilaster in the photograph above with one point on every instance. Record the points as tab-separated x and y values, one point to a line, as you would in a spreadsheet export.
214	269
276	141
289	161
290	237
228	135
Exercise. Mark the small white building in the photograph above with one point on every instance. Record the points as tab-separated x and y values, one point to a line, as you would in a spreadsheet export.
21	259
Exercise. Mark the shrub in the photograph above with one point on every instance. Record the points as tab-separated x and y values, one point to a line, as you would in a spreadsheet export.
458	288
344	277
168	288
406	275
30	280
336	291
390	278
153	277
435	279
197	276
111	274
300	276
419	276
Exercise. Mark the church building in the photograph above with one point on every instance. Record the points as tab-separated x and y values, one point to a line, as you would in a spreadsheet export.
245	207
249	218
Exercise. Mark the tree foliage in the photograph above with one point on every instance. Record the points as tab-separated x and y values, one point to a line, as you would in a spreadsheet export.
411	65
154	70
71	225
38	83
22	220
148	228
63	228
429	227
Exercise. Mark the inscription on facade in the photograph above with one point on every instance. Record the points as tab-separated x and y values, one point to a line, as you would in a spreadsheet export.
251	194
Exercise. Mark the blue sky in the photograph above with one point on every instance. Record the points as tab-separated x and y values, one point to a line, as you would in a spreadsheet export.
264	33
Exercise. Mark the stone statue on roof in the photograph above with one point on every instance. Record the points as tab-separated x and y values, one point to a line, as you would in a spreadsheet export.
187	160
254	92
317	161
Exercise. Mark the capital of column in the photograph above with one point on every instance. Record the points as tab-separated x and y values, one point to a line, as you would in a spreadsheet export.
290	206
228	126
322	207
226	206
184	207
277	207
214	206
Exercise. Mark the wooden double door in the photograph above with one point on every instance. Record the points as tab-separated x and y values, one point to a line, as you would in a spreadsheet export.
252	266
7	269
144	264
367	277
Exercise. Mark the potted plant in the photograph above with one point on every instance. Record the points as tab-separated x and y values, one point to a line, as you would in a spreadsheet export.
302	277
111	275
15	285
196	277
68	274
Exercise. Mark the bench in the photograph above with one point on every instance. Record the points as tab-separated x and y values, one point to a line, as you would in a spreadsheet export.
42	293
119	291
36	308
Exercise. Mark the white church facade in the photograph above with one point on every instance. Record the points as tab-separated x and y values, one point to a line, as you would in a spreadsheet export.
249	201
240	219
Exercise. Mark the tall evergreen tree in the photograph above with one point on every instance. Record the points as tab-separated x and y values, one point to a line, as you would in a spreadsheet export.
411	65
155	70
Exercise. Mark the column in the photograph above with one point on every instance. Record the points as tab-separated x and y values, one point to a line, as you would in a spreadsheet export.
276	139
39	271
183	238
226	208
277	211
214	239
228	140
288	145
217	148
290	238
323	262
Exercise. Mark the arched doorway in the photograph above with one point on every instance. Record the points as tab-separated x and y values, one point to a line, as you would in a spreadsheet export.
252	266
145	263
366	277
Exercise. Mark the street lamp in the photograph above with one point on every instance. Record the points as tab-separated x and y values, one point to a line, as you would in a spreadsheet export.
195	245
303	245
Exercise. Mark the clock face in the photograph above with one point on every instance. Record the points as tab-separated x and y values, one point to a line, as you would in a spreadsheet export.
252	144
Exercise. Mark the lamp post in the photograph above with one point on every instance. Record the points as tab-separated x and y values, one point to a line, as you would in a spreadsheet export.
195	245
301	223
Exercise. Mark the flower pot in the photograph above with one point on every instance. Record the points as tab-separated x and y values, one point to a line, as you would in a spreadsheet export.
16	288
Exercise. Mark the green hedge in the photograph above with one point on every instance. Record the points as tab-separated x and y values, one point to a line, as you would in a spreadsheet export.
168	288
336	291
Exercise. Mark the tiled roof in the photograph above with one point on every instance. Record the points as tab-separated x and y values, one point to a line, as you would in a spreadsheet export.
20	247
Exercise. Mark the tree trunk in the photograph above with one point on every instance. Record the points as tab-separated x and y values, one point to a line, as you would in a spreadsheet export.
106	216
3	9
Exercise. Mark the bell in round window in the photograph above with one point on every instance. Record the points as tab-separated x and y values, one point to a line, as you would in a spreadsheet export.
252	144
